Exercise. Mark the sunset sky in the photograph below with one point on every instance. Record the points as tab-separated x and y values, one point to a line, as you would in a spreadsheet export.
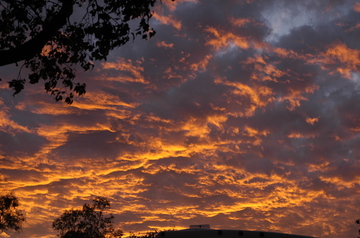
238	114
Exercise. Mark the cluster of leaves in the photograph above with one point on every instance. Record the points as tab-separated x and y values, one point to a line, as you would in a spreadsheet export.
10	217
90	221
52	41
151	234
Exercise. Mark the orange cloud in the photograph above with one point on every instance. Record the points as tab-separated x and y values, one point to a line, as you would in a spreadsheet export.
285	53
339	56
254	132
8	125
350	58
200	128
312	121
130	71
354	28
295	97
168	20
224	39
240	21
298	135
164	44
258	96
263	71
357	7
103	101
201	65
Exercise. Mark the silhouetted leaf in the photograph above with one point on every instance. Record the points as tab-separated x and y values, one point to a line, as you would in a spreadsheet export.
80	89
34	78
17	85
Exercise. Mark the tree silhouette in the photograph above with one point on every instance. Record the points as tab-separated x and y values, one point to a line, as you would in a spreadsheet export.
151	234
10	217
50	39
89	222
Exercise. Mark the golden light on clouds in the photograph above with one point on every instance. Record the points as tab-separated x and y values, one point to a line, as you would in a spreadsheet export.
128	67
312	121
221	39
220	119
348	57
240	21
168	20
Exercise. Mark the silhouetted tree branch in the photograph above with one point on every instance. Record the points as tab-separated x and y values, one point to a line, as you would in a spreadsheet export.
34	46
50	41
10	217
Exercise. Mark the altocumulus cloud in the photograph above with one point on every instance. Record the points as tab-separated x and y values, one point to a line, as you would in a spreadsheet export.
241	114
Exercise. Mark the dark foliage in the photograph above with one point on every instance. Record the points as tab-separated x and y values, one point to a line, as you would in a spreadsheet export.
89	222
151	234
10	217
50	40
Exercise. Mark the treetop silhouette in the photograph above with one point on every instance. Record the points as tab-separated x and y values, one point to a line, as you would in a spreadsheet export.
48	39
11	218
90	221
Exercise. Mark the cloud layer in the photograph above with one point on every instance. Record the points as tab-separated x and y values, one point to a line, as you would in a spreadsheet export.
240	114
